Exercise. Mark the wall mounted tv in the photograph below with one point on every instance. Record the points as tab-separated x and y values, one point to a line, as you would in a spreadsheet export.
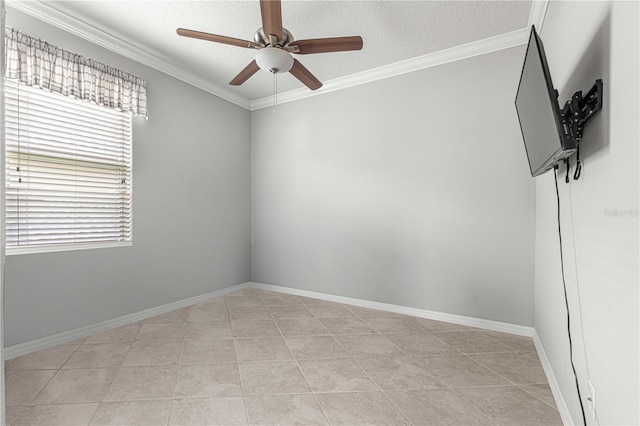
550	134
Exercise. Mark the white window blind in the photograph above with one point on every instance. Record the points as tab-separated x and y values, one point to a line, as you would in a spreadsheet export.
68	170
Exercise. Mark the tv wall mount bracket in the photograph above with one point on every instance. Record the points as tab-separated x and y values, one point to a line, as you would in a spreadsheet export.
574	116
579	110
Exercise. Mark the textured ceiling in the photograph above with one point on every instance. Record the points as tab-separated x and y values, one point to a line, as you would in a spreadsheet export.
392	31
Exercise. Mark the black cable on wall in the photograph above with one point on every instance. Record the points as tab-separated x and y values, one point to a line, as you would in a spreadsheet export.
566	301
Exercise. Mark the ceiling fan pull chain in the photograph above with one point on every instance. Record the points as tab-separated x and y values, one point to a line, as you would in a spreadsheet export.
275	91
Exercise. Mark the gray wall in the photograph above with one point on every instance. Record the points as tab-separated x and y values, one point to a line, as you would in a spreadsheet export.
599	215
413	190
191	212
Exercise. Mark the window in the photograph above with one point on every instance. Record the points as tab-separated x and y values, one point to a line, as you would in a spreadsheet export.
68	172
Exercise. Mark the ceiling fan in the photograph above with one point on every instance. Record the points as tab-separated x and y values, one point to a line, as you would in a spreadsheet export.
275	44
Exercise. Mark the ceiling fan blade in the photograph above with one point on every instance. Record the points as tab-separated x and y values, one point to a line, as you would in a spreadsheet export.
271	17
214	37
324	45
304	75
244	75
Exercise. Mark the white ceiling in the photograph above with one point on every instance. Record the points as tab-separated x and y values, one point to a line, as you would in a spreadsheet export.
392	31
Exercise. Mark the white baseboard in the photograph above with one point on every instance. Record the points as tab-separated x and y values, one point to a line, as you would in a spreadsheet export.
77	333
561	404
422	313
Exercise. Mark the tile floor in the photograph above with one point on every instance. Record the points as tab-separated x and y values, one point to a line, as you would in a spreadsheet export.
259	357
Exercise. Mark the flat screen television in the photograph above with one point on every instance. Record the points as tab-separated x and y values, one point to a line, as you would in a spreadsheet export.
546	139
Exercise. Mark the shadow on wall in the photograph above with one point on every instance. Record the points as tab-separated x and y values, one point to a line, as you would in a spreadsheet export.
594	64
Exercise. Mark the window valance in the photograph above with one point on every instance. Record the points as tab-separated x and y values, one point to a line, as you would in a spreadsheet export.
35	62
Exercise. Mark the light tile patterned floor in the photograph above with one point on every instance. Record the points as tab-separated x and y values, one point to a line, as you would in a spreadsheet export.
259	357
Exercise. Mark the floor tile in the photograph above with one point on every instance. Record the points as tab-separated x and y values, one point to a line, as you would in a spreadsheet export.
262	349
208	380
167	330
421	344
79	341
367	345
244	301
153	352
75	386
513	366
12	413
196	351
132	413
254	328
301	326
336	375
309	301
519	343
510	405
289	311
209	330
400	372
214	310
315	347
272	378
135	383
46	359
22	386
396	324
62	415
329	310
346	325
369	313
208	411
460	371
258	312
404	355
179	315
437	407
472	342
126	333
371	408
284	410
542	392
275	299
433	325
99	355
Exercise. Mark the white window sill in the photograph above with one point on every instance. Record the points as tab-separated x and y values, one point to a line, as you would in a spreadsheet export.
12	251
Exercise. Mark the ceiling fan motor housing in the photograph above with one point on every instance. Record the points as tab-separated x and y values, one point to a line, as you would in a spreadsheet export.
274	59
262	38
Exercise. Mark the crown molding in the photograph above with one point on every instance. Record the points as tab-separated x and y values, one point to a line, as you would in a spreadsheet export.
39	9
537	14
47	13
464	51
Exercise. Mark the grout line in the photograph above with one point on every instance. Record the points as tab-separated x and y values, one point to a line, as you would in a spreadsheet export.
315	397
235	349
512	383
52	377
376	383
521	386
365	372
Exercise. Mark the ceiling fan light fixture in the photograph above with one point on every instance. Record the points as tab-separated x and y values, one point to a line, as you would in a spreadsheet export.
274	60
